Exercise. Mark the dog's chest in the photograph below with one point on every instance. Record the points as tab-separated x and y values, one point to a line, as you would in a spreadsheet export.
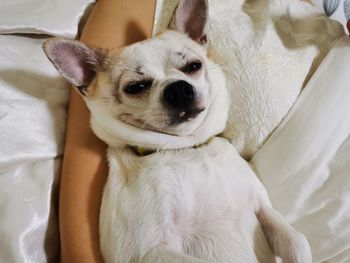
183	199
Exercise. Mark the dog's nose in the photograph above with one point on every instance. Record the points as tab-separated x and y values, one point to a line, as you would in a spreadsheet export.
179	95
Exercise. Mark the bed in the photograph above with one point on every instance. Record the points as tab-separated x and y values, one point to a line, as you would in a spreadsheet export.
293	127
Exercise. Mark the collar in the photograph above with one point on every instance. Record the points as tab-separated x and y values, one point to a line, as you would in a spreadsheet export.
142	151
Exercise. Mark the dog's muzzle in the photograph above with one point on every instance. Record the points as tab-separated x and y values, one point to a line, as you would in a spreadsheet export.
180	99
179	95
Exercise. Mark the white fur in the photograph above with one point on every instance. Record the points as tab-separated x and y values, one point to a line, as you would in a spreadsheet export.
211	122
187	205
199	202
192	201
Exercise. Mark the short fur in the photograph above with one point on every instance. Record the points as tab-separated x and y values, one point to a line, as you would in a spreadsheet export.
181	203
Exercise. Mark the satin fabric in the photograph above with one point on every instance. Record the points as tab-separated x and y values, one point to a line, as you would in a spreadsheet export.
33	106
52	17
28	212
33	103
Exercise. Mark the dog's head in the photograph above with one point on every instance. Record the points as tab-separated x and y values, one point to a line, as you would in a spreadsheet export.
163	92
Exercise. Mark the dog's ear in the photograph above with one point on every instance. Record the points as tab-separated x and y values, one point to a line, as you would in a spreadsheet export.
190	18
75	61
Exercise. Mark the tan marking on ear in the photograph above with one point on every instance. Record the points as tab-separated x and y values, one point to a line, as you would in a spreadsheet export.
92	90
101	87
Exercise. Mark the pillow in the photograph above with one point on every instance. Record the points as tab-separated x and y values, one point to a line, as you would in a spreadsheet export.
56	17
268	51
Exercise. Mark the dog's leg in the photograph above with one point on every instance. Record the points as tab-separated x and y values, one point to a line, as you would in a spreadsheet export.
284	240
160	254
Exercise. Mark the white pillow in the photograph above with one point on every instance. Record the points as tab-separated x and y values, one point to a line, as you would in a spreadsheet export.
54	17
33	106
268	50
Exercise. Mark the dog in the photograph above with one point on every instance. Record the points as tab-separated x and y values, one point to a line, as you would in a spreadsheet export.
176	191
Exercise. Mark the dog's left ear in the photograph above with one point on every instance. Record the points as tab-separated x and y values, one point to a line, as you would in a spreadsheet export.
191	18
75	61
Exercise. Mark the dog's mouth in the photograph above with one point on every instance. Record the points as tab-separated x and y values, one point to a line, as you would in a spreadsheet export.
184	116
172	119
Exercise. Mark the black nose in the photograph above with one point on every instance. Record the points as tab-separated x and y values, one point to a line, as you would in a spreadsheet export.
179	95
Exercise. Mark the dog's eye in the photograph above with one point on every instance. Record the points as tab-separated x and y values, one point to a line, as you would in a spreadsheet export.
192	67
137	87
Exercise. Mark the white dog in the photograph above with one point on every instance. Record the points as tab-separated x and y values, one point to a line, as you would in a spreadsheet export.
176	192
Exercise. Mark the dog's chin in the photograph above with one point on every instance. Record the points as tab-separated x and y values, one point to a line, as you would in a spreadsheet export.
175	124
123	129
184	116
186	124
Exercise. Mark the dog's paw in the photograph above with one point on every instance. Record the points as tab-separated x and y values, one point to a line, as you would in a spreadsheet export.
298	250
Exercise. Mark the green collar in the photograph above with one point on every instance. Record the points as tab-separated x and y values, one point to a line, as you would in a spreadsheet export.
142	151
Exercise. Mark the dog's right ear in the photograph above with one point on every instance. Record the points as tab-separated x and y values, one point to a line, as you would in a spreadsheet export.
75	61
191	18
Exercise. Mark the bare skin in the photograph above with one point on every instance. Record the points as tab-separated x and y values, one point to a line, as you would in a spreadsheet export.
112	23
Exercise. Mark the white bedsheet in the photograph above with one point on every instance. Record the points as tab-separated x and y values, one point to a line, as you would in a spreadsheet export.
305	164
52	17
33	101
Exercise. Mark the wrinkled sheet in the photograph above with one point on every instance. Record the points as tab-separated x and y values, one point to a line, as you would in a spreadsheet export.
305	164
33	102
52	17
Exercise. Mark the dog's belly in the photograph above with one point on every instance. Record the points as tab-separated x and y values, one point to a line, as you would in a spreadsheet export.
198	202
